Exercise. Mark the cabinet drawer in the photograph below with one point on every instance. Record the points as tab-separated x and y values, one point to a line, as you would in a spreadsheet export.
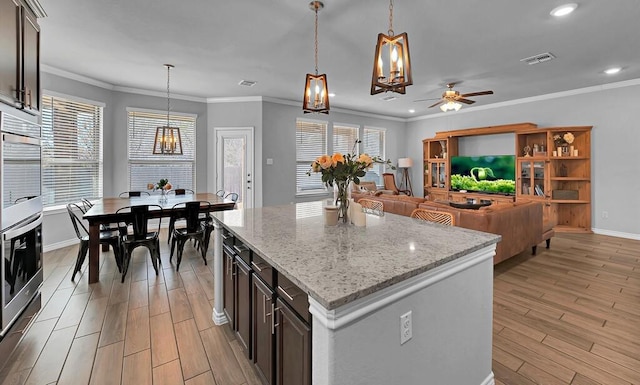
294	297
227	238
263	269
242	251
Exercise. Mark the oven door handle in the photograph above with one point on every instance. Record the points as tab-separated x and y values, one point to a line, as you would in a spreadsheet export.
14	233
11	138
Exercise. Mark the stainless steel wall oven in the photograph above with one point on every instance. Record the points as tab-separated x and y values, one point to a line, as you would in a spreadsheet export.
21	219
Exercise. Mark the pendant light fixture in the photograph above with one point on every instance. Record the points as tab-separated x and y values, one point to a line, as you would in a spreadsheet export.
391	63
316	93
168	140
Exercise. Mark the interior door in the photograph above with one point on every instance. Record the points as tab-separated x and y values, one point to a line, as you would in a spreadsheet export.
234	163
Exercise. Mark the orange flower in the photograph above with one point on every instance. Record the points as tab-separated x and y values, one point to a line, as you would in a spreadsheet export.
324	161
167	186
366	159
149	186
315	166
337	158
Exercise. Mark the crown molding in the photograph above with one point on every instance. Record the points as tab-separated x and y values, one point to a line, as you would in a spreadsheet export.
36	7
234	99
79	78
159	94
555	95
336	109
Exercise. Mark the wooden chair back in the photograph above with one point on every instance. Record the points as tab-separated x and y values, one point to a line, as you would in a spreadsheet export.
442	217
390	184
372	206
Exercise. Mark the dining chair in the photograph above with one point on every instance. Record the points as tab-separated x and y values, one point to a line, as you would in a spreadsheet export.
390	184
194	228
372	206
233	196
136	233
221	193
130	194
109	237
442	217
181	191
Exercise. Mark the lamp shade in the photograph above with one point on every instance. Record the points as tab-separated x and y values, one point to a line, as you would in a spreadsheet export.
405	163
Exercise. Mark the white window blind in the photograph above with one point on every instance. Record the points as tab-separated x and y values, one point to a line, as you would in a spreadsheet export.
146	167
71	150
344	138
311	142
373	145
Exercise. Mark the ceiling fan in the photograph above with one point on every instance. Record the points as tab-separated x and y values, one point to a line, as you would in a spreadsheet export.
451	98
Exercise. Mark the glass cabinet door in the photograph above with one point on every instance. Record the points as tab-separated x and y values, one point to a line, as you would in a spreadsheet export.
532	178
438	174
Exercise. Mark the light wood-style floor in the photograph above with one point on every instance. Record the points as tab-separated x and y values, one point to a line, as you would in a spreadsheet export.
570	315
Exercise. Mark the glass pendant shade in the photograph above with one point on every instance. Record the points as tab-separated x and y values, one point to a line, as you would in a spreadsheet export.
450	106
167	141
316	95
392	65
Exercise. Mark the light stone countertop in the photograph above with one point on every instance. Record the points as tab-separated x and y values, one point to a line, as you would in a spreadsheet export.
339	264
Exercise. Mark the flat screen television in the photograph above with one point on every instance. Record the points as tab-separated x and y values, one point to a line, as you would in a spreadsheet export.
493	174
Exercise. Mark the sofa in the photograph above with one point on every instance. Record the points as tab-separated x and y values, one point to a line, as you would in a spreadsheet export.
519	224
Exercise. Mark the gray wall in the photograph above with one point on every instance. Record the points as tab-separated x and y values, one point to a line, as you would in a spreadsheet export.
615	139
279	122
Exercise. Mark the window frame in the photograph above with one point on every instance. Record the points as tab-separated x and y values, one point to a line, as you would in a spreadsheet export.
323	190
382	167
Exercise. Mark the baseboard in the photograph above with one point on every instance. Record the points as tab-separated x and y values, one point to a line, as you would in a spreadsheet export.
489	380
59	245
618	234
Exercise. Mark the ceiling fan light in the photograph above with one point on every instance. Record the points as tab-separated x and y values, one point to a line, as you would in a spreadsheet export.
450	106
563	10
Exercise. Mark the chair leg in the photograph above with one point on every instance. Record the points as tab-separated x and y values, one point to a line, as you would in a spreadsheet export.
181	243
125	261
82	254
173	247
117	249
548	242
153	251
534	249
203	250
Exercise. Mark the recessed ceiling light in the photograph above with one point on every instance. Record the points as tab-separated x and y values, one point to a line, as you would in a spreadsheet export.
564	10
612	70
412	111
331	94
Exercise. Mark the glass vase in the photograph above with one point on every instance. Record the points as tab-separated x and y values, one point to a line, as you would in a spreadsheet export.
342	199
163	196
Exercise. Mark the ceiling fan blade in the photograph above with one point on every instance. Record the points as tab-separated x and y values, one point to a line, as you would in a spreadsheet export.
477	93
465	101
424	100
436	104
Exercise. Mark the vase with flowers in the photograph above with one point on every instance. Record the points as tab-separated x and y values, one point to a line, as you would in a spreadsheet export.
562	142
163	186
338	171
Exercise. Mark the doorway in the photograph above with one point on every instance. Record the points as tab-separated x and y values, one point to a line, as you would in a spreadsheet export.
234	163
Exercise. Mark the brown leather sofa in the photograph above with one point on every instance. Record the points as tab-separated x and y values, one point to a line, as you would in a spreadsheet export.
519	224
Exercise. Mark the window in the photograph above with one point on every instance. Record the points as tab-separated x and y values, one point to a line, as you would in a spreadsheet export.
311	142
71	150
344	138
146	167
373	144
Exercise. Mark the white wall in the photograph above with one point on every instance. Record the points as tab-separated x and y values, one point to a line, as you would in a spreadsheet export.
615	141
279	144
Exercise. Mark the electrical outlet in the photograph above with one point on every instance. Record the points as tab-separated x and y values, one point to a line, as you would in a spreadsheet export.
605	214
406	327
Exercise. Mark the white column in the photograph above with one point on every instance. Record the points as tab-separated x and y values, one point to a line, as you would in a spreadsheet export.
218	273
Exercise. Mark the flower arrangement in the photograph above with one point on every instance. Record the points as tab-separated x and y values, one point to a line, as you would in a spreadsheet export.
163	184
563	140
341	170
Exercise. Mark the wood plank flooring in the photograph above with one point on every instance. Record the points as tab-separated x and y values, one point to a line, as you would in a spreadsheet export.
570	315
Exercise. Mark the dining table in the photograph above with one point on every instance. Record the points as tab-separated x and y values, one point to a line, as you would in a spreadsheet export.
105	211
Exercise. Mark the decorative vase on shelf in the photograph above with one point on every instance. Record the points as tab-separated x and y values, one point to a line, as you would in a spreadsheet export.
341	193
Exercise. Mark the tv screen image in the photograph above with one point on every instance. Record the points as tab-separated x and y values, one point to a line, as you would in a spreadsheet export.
493	174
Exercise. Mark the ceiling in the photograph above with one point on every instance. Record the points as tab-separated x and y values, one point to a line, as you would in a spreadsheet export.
216	44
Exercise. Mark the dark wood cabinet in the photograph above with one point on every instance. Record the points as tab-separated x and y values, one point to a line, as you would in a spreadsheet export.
293	347
10	59
30	61
263	338
20	59
243	305
229	284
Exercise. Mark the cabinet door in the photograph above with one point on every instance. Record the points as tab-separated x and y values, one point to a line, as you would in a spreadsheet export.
263	304
243	305
293	348
229	287
532	179
10	49
30	61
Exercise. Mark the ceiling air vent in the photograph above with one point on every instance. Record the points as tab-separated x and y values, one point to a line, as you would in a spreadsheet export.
539	58
388	98
247	83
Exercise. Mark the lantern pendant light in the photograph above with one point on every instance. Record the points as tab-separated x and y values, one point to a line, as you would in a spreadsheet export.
316	93
391	65
168	140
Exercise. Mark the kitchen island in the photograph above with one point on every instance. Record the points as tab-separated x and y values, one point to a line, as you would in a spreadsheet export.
360	282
